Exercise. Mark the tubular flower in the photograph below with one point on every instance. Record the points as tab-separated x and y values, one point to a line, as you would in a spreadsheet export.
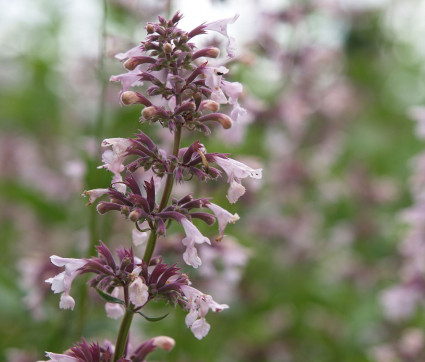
236	171
199	304
62	282
193	236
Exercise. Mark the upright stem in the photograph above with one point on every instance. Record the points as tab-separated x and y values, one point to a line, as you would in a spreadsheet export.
123	334
150	247
92	182
165	197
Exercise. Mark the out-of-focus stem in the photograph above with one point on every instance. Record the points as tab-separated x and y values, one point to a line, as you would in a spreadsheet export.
123	334
92	182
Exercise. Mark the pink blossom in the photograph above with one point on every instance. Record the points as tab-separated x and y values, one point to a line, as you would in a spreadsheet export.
55	357
418	114
133	52
236	190
193	236
62	282
113	159
236	171
139	237
233	90
138	290
220	26
199	304
399	302
223	217
128	80
213	80
115	310
94	194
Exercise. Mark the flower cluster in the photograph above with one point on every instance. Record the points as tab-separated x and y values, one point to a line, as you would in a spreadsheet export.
182	92
83	351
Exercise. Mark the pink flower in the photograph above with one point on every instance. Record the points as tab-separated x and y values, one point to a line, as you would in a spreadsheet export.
113	160
220	26
139	237
128	80
418	114
133	52
223	217
115	310
400	302
138	290
233	90
199	304
213	80
55	357
223	91
236	171
62	282
94	194
193	236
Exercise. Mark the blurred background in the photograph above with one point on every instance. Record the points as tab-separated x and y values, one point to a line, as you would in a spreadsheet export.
327	262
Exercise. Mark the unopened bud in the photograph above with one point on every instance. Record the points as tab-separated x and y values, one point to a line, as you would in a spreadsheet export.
224	120
104	207
186	107
210	52
168	48
125	210
133	62
135	215
164	342
184	38
150	29
129	97
148	112
210	105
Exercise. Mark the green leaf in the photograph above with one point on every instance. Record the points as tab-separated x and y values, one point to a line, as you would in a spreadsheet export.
109	298
153	319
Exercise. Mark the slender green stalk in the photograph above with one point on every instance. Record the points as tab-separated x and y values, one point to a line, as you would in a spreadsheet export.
150	246
123	334
165	197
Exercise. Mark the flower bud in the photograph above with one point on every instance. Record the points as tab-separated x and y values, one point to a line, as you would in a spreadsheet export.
149	112
133	62
125	210
104	207
186	107
129	97
224	120
210	52
209	105
164	342
150	29
135	215
168	48
138	292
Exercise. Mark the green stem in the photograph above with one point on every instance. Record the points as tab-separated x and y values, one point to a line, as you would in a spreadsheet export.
92	178
150	246
165	197
123	334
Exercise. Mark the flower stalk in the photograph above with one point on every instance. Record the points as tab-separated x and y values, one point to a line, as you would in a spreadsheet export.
190	93
123	334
